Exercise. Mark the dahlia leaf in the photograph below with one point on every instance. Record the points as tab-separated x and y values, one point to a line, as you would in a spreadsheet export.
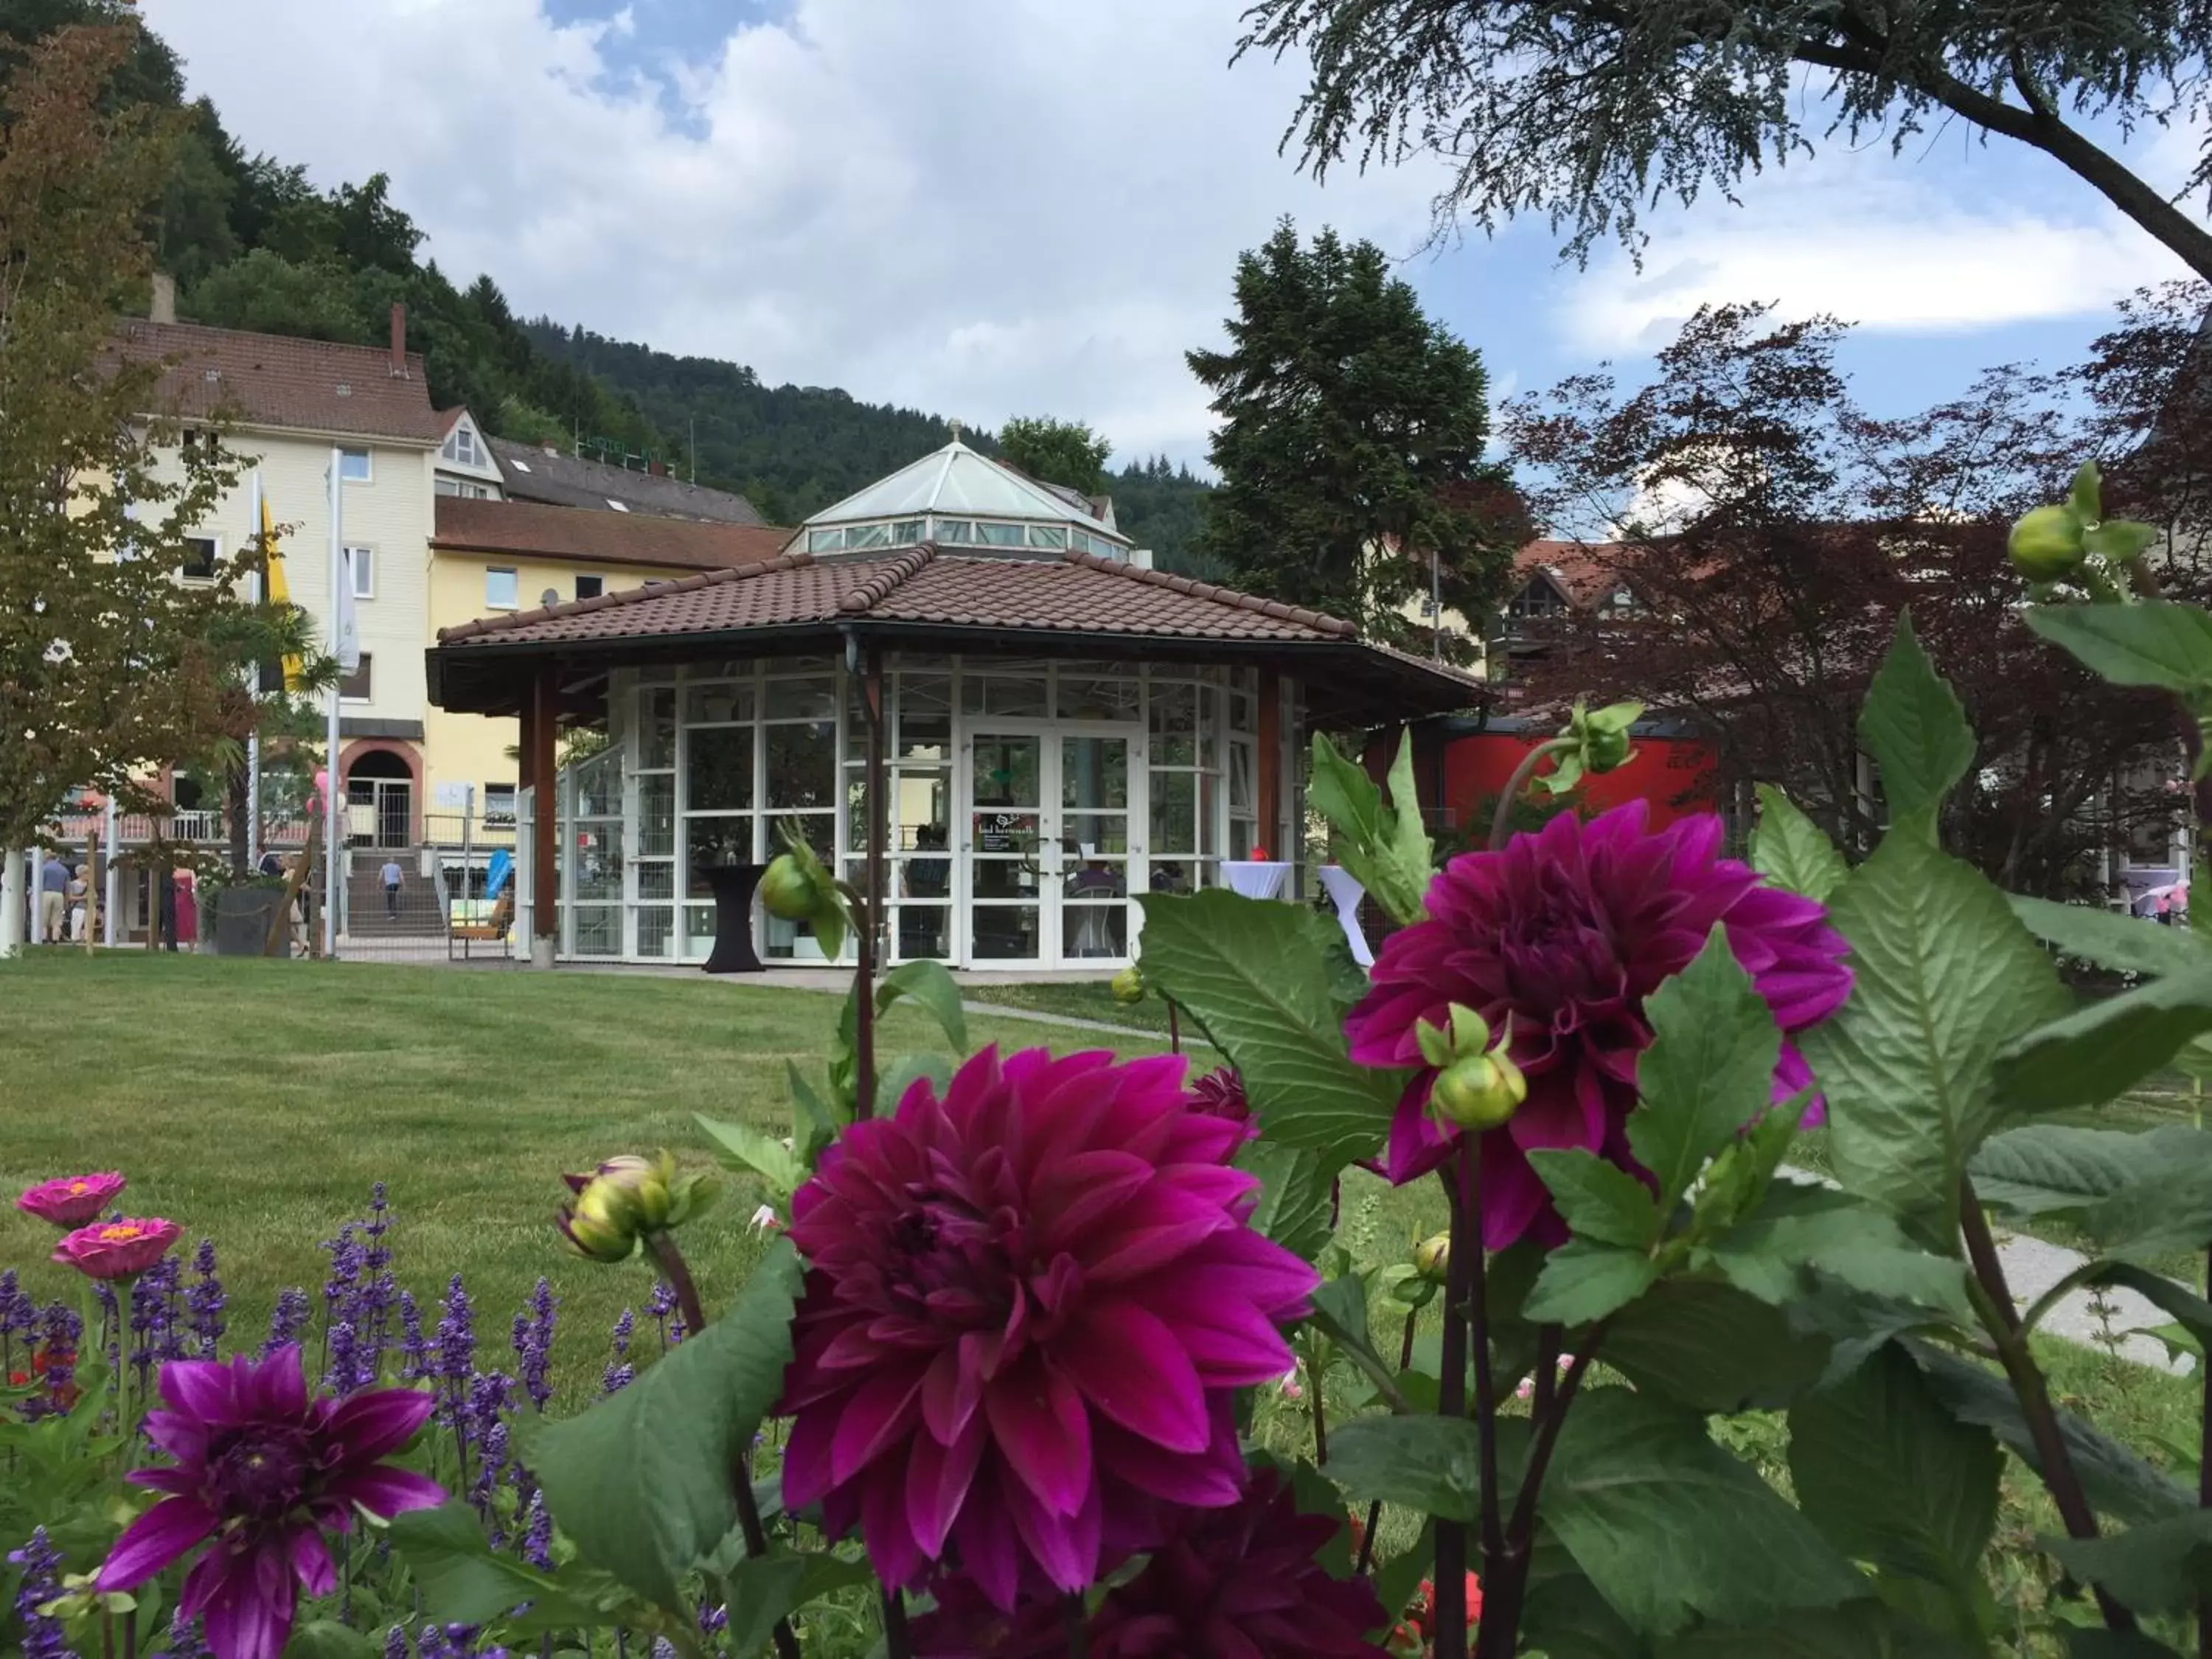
741	1146
2127	945
2156	643
1582	1281
2167	1213
1565	1617
1944	976
1599	1201
1712	1348
2056	1169
1257	976
1663	1522
2162	1567
1893	1479
1800	1227
463	1580
766	1588
1295	1192
2117	1481
1789	849
1915	727
1710	1069
1429	1463
2104	1047
643	1481
1411	855
1386	851
326	1638
931	988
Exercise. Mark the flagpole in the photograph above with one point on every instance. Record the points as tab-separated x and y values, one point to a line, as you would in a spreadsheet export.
254	737
331	783
111	897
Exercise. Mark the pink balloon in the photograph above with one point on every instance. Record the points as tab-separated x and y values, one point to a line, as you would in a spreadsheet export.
322	780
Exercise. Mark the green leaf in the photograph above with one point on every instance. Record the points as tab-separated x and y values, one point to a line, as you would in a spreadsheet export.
1255	976
1663	1522
1296	1185
820	1126
1411	855
1599	1201
463	1580
1371	840
2120	539
2117	1481
2104	1047
907	1070
741	1146
643	1481
1798	1229
764	1589
930	986
2162	1567
1892	1478
1709	1070
2122	942
1712	1348
1565	1617
1340	1310
1433	1464
1582	1281
1944	977
2156	643
1856	1630
326	1638
1789	849
2085	495
1915	727
2055	1170
2161	1216
2093	1644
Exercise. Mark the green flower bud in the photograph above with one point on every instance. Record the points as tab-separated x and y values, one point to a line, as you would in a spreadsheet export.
788	891
626	1198
1129	986
1432	1258
2047	544
1469	1033
1479	1092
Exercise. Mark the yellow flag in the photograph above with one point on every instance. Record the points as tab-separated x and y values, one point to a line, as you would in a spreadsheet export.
295	670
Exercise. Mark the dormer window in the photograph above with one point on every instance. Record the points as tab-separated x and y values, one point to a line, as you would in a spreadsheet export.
461	447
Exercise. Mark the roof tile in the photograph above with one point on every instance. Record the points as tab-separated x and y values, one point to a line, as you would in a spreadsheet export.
579	535
269	379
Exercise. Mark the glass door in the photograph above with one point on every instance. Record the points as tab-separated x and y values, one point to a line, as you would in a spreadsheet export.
1005	847
1093	835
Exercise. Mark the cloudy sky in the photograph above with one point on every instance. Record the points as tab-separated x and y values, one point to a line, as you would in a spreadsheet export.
987	208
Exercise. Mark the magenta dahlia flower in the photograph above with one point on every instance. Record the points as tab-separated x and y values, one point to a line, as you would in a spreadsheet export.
1027	1307
122	1249
1220	1093
71	1201
262	1468
1567	932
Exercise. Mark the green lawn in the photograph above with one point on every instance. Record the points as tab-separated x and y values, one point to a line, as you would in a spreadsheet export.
1076	998
256	1102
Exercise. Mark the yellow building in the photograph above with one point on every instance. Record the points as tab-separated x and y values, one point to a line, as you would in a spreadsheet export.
493	557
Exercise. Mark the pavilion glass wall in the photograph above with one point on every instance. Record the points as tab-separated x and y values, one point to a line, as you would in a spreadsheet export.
1029	800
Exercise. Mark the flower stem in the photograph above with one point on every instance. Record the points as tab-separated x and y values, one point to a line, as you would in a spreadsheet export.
1320	1420
2205	1477
1501	825
1078	1628
864	1003
670	1260
897	1644
1501	1607
1450	1628
1485	1392
1375	1509
1992	1299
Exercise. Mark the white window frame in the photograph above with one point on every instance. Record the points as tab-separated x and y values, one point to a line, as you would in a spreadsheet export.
465	445
368	473
361	557
514	578
214	564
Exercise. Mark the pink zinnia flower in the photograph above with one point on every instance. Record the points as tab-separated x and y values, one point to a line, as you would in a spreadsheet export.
1028	1307
71	1201
262	1468
122	1249
1567	932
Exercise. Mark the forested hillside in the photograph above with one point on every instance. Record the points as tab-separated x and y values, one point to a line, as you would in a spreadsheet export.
253	245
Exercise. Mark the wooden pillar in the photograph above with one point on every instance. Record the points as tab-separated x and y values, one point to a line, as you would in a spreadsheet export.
540	719
1271	763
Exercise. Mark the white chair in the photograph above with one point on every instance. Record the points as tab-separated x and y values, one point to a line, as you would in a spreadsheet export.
1345	892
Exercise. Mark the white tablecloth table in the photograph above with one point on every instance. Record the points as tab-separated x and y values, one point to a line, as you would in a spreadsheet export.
1345	891
1256	877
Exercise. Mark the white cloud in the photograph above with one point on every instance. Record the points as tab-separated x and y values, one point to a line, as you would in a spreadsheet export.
1872	239
988	208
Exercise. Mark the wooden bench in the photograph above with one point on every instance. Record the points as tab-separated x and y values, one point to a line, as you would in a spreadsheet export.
496	929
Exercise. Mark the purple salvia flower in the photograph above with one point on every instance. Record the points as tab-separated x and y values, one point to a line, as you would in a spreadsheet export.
342	1376
625	1327
533	1345
395	1643
414	1351
205	1300
618	1377
185	1641
660	1305
457	1341
42	1582
713	1621
430	1643
61	1334
286	1321
537	1535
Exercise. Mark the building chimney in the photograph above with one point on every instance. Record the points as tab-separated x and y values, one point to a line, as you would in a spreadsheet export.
398	341
164	308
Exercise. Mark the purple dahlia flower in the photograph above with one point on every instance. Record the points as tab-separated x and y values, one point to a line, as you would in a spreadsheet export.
1567	932
1027	1309
1220	1093
262	1468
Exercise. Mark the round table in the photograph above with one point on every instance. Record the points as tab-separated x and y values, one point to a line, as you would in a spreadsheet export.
1259	879
734	885
1345	892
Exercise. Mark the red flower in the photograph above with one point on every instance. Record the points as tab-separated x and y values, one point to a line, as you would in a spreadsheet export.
1565	933
117	1250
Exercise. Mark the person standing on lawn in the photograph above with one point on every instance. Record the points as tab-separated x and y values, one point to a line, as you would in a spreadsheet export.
53	898
390	876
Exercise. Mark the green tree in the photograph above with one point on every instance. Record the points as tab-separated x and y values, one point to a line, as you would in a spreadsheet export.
1590	109
268	293
1351	438
1066	453
105	664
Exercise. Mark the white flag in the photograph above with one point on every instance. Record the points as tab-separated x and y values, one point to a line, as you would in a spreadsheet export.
349	629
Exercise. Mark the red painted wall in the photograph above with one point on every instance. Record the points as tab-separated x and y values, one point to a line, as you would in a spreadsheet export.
1676	775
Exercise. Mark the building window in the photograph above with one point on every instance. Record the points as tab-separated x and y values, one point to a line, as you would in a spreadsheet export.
361	561
445	486
617	505
199	560
462	445
353	465
500	590
477	492
590	587
354	688
499	803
